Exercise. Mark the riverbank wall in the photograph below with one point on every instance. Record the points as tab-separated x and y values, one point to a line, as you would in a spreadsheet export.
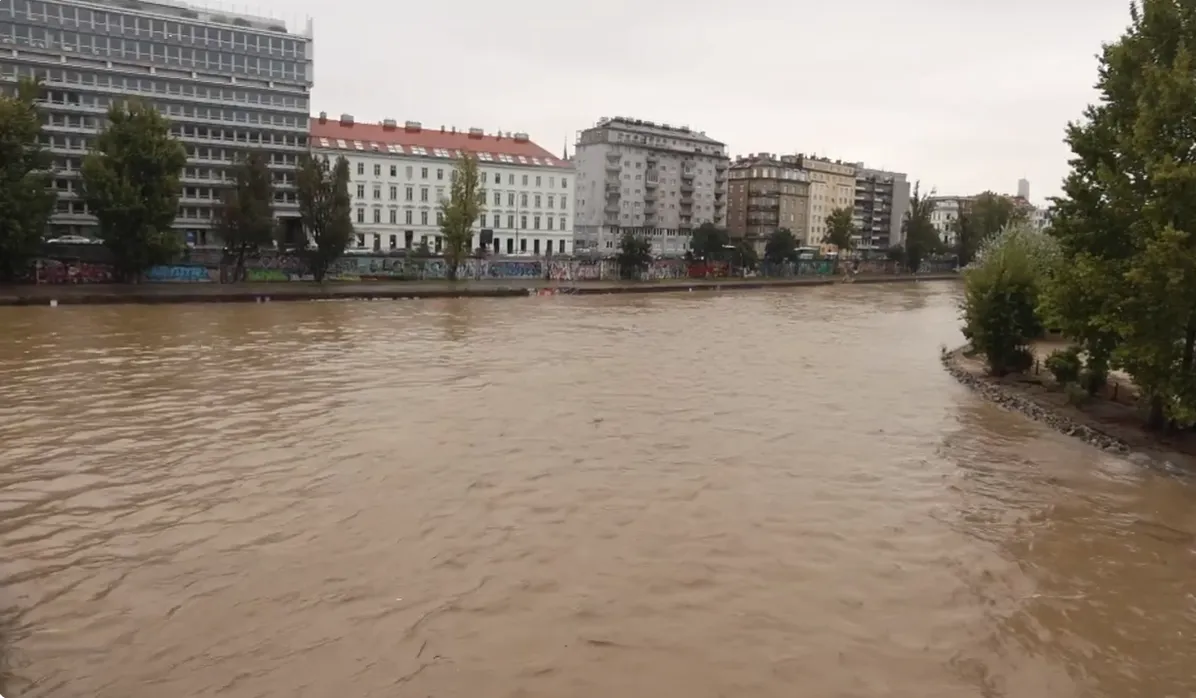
971	374
260	292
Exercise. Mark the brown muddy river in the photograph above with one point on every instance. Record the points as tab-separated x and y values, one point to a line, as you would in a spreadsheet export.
757	494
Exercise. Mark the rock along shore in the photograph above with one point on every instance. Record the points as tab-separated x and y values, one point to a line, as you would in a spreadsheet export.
258	292
1007	397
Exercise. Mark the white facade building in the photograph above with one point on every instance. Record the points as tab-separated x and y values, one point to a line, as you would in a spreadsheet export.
945	214
654	180
400	173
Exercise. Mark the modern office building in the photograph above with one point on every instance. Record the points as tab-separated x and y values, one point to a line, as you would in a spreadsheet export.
401	172
655	180
832	186
228	82
881	202
766	192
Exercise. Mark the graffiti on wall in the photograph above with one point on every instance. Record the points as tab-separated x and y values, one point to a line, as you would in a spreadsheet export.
52	271
177	273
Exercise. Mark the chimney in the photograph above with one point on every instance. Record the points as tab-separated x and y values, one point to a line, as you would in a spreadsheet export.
454	130
346	119
521	137
475	133
323	117
412	127
389	124
498	136
442	128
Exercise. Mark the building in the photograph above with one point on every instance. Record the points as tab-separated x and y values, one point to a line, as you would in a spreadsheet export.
401	173
832	186
651	179
228	82
945	214
766	192
1023	189
881	202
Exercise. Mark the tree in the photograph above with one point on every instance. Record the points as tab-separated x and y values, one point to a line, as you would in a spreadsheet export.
985	216
921	238
781	247
131	184
1128	213
246	218
744	255
324	208
709	242
635	255
467	200
26	199
840	227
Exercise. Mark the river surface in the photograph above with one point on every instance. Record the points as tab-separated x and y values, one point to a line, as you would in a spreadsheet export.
754	494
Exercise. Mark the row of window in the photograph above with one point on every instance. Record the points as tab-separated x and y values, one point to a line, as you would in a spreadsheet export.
537	199
486	176
436	243
494	219
158	86
87	19
182	57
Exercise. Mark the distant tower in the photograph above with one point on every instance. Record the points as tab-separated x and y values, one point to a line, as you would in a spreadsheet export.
1023	189
565	150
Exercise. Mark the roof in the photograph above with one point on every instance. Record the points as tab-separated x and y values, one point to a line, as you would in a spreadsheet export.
414	140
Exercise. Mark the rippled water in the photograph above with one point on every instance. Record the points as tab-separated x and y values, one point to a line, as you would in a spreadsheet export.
760	494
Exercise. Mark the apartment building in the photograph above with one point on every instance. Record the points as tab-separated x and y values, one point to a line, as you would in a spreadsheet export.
766	192
881	202
832	186
652	179
945	214
228	82
401	173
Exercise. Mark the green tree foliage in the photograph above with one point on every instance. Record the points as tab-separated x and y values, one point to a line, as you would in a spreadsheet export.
246	219
635	255
709	242
1127	216
324	208
744	255
1065	365
921	238
467	200
839	229
131	183
1001	296
985	216
781	247
26	199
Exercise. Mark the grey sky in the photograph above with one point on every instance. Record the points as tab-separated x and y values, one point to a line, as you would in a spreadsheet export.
964	95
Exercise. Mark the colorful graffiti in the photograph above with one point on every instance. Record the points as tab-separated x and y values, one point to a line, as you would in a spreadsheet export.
52	271
177	273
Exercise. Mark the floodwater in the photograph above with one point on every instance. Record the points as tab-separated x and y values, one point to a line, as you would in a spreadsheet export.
757	494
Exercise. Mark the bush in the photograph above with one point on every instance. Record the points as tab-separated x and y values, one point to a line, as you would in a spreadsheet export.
1020	360
1076	395
1064	365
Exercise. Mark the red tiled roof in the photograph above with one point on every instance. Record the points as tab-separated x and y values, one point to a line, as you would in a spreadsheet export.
426	142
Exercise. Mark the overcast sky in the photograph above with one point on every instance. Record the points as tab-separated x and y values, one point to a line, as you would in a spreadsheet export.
964	95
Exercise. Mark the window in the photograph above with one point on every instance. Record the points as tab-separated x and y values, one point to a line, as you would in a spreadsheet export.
537	180
552	181
510	198
525	180
423	173
482	221
394	172
537	201
423	194
377	215
497	199
536	222
377	192
361	168
523	200
510	223
394	239
511	179
394	193
377	170
360	240
498	178
439	173
550	222
564	182
523	222
551	201
407	217
410	194
361	215
548	244
410	169
439	218
423	217
563	226
361	191
523	245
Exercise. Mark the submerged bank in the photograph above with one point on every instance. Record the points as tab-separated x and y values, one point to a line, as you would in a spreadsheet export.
103	294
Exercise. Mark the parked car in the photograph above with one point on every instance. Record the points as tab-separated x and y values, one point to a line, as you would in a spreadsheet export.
73	240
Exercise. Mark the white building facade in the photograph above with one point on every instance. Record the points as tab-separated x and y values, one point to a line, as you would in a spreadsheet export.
653	180
945	216
399	174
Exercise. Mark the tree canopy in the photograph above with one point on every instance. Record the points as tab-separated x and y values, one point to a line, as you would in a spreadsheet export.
467	200
781	247
635	255
131	184
710	242
921	237
986	215
246	218
324	208
840	227
26	199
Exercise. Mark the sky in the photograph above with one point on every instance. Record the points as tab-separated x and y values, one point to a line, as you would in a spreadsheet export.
962	95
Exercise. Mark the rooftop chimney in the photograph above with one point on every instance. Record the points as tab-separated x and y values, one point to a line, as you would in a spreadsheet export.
346	119
323	117
412	127
475	133
389	124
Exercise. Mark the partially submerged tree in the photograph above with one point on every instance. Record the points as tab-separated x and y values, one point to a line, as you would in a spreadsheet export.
635	255
467	200
245	221
324	207
26	199
131	184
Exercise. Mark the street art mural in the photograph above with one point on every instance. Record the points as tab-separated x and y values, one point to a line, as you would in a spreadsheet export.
52	271
178	274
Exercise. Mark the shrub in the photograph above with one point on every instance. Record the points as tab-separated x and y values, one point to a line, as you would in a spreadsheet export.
1076	395
1064	365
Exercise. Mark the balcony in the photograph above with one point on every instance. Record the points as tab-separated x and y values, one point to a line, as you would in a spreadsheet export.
649	196
650	183
719	203
687	188
611	209
613	166
614	155
687	173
